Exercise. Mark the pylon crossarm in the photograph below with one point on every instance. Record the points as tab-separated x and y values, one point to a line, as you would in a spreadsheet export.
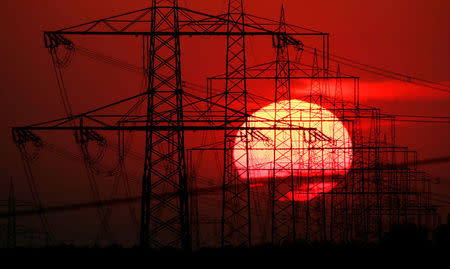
191	23
86	115
159	128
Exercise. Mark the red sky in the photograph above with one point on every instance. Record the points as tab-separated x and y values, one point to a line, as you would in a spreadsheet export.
410	37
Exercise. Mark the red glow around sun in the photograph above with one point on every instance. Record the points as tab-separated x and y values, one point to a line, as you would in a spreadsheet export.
322	152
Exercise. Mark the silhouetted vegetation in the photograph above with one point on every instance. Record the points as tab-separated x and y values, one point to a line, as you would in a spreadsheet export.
400	238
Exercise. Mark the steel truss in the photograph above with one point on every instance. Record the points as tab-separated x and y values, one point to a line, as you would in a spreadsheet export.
381	189
165	122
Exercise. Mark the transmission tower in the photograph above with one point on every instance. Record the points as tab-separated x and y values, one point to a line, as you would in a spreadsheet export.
236	216
283	198
165	220
11	229
357	205
165	163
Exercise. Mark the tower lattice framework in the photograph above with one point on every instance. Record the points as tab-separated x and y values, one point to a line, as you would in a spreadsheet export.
367	200
236	216
164	220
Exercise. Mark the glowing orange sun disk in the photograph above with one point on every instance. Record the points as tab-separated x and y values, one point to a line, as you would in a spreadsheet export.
318	158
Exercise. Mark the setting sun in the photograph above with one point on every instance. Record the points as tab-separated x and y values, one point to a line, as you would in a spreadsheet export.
317	141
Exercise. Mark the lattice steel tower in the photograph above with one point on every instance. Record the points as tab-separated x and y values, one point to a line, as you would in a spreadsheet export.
165	164
236	217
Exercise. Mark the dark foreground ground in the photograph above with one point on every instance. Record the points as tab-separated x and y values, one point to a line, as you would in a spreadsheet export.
406	244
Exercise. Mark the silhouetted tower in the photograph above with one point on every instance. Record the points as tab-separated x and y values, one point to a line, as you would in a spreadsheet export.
283	206
339	217
11	239
82	137
165	211
315	208
164	220
236	219
22	138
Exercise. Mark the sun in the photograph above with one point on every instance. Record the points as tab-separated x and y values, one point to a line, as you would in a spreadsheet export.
310	141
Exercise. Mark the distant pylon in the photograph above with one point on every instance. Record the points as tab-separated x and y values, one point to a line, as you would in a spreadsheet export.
11	239
315	208
316	90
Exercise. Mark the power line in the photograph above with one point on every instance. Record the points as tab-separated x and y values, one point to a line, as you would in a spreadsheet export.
384	72
418	116
424	121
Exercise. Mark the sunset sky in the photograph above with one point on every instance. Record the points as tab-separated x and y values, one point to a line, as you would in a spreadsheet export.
408	37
